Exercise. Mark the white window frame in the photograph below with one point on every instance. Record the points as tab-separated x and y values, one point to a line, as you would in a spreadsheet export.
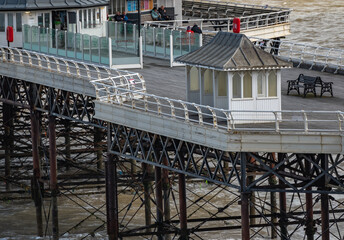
266	74
242	74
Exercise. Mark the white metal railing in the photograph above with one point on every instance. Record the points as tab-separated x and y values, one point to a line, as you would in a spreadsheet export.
108	76
304	53
235	4
226	24
128	89
275	121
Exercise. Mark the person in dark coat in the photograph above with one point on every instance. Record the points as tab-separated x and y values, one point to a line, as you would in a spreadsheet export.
118	16
196	29
163	13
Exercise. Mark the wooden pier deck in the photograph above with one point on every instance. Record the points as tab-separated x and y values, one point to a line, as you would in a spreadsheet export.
162	80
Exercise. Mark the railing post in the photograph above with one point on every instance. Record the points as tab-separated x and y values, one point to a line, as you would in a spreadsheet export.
171	50
189	36
56	40
163	41
74	45
144	39
154	46
66	42
180	43
110	52
141	54
47	35
39	38
125	34
30	37
99	49
134	36
90	46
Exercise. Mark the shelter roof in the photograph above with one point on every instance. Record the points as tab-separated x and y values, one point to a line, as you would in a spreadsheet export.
232	52
26	5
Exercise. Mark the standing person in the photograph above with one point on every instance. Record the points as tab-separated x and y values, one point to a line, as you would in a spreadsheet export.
118	16
124	16
163	13
196	29
155	14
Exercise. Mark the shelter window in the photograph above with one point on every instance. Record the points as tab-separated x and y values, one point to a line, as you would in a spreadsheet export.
2	22
261	84
208	82
10	19
236	85
247	85
194	80
222	84
19	22
272	84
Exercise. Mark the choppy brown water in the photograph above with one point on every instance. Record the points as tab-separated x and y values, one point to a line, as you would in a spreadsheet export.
315	22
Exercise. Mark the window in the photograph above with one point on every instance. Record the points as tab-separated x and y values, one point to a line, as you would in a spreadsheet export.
10	19
2	22
222	84
247	85
94	17
85	18
272	84
261	79
19	22
194	81
208	82
47	20
236	85
89	18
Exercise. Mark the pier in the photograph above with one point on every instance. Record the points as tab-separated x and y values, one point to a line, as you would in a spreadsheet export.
77	131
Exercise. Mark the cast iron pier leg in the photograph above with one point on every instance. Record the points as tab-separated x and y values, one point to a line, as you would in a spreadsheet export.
325	227
159	202
111	191
147	186
36	184
309	207
166	190
182	204
245	214
283	206
53	175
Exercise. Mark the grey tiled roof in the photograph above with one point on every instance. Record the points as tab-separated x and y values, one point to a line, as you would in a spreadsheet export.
231	51
23	5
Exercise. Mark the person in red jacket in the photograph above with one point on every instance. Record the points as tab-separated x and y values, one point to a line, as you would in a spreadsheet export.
188	29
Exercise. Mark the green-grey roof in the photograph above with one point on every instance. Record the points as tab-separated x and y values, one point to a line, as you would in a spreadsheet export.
25	5
231	52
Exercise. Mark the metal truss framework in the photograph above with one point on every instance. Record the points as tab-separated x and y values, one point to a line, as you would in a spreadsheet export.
257	181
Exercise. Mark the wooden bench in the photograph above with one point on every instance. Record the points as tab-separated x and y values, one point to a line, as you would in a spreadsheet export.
309	85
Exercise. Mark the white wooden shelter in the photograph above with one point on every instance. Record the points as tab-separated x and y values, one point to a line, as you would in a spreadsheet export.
231	73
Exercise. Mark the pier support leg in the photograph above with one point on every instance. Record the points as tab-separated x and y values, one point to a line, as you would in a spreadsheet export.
166	190
67	126
325	226
36	184
283	206
8	114
159	202
98	137
273	201
147	186
309	207
245	196
182	204
111	192
53	175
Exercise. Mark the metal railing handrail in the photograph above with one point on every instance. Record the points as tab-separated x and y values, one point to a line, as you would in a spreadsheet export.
238	4
92	72
229	120
304	52
256	21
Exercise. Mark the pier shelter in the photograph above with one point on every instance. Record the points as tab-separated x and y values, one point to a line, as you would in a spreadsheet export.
74	16
231	73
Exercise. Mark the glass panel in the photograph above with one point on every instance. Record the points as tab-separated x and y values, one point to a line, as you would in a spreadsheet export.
236	85
78	45
19	22
2	22
61	43
104	50
194	80
27	37
95	49
167	43
261	84
86	47
222	84
43	39
159	41
208	82
272	84
10	19
149	46
177	43
52	41
70	44
247	85
35	39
